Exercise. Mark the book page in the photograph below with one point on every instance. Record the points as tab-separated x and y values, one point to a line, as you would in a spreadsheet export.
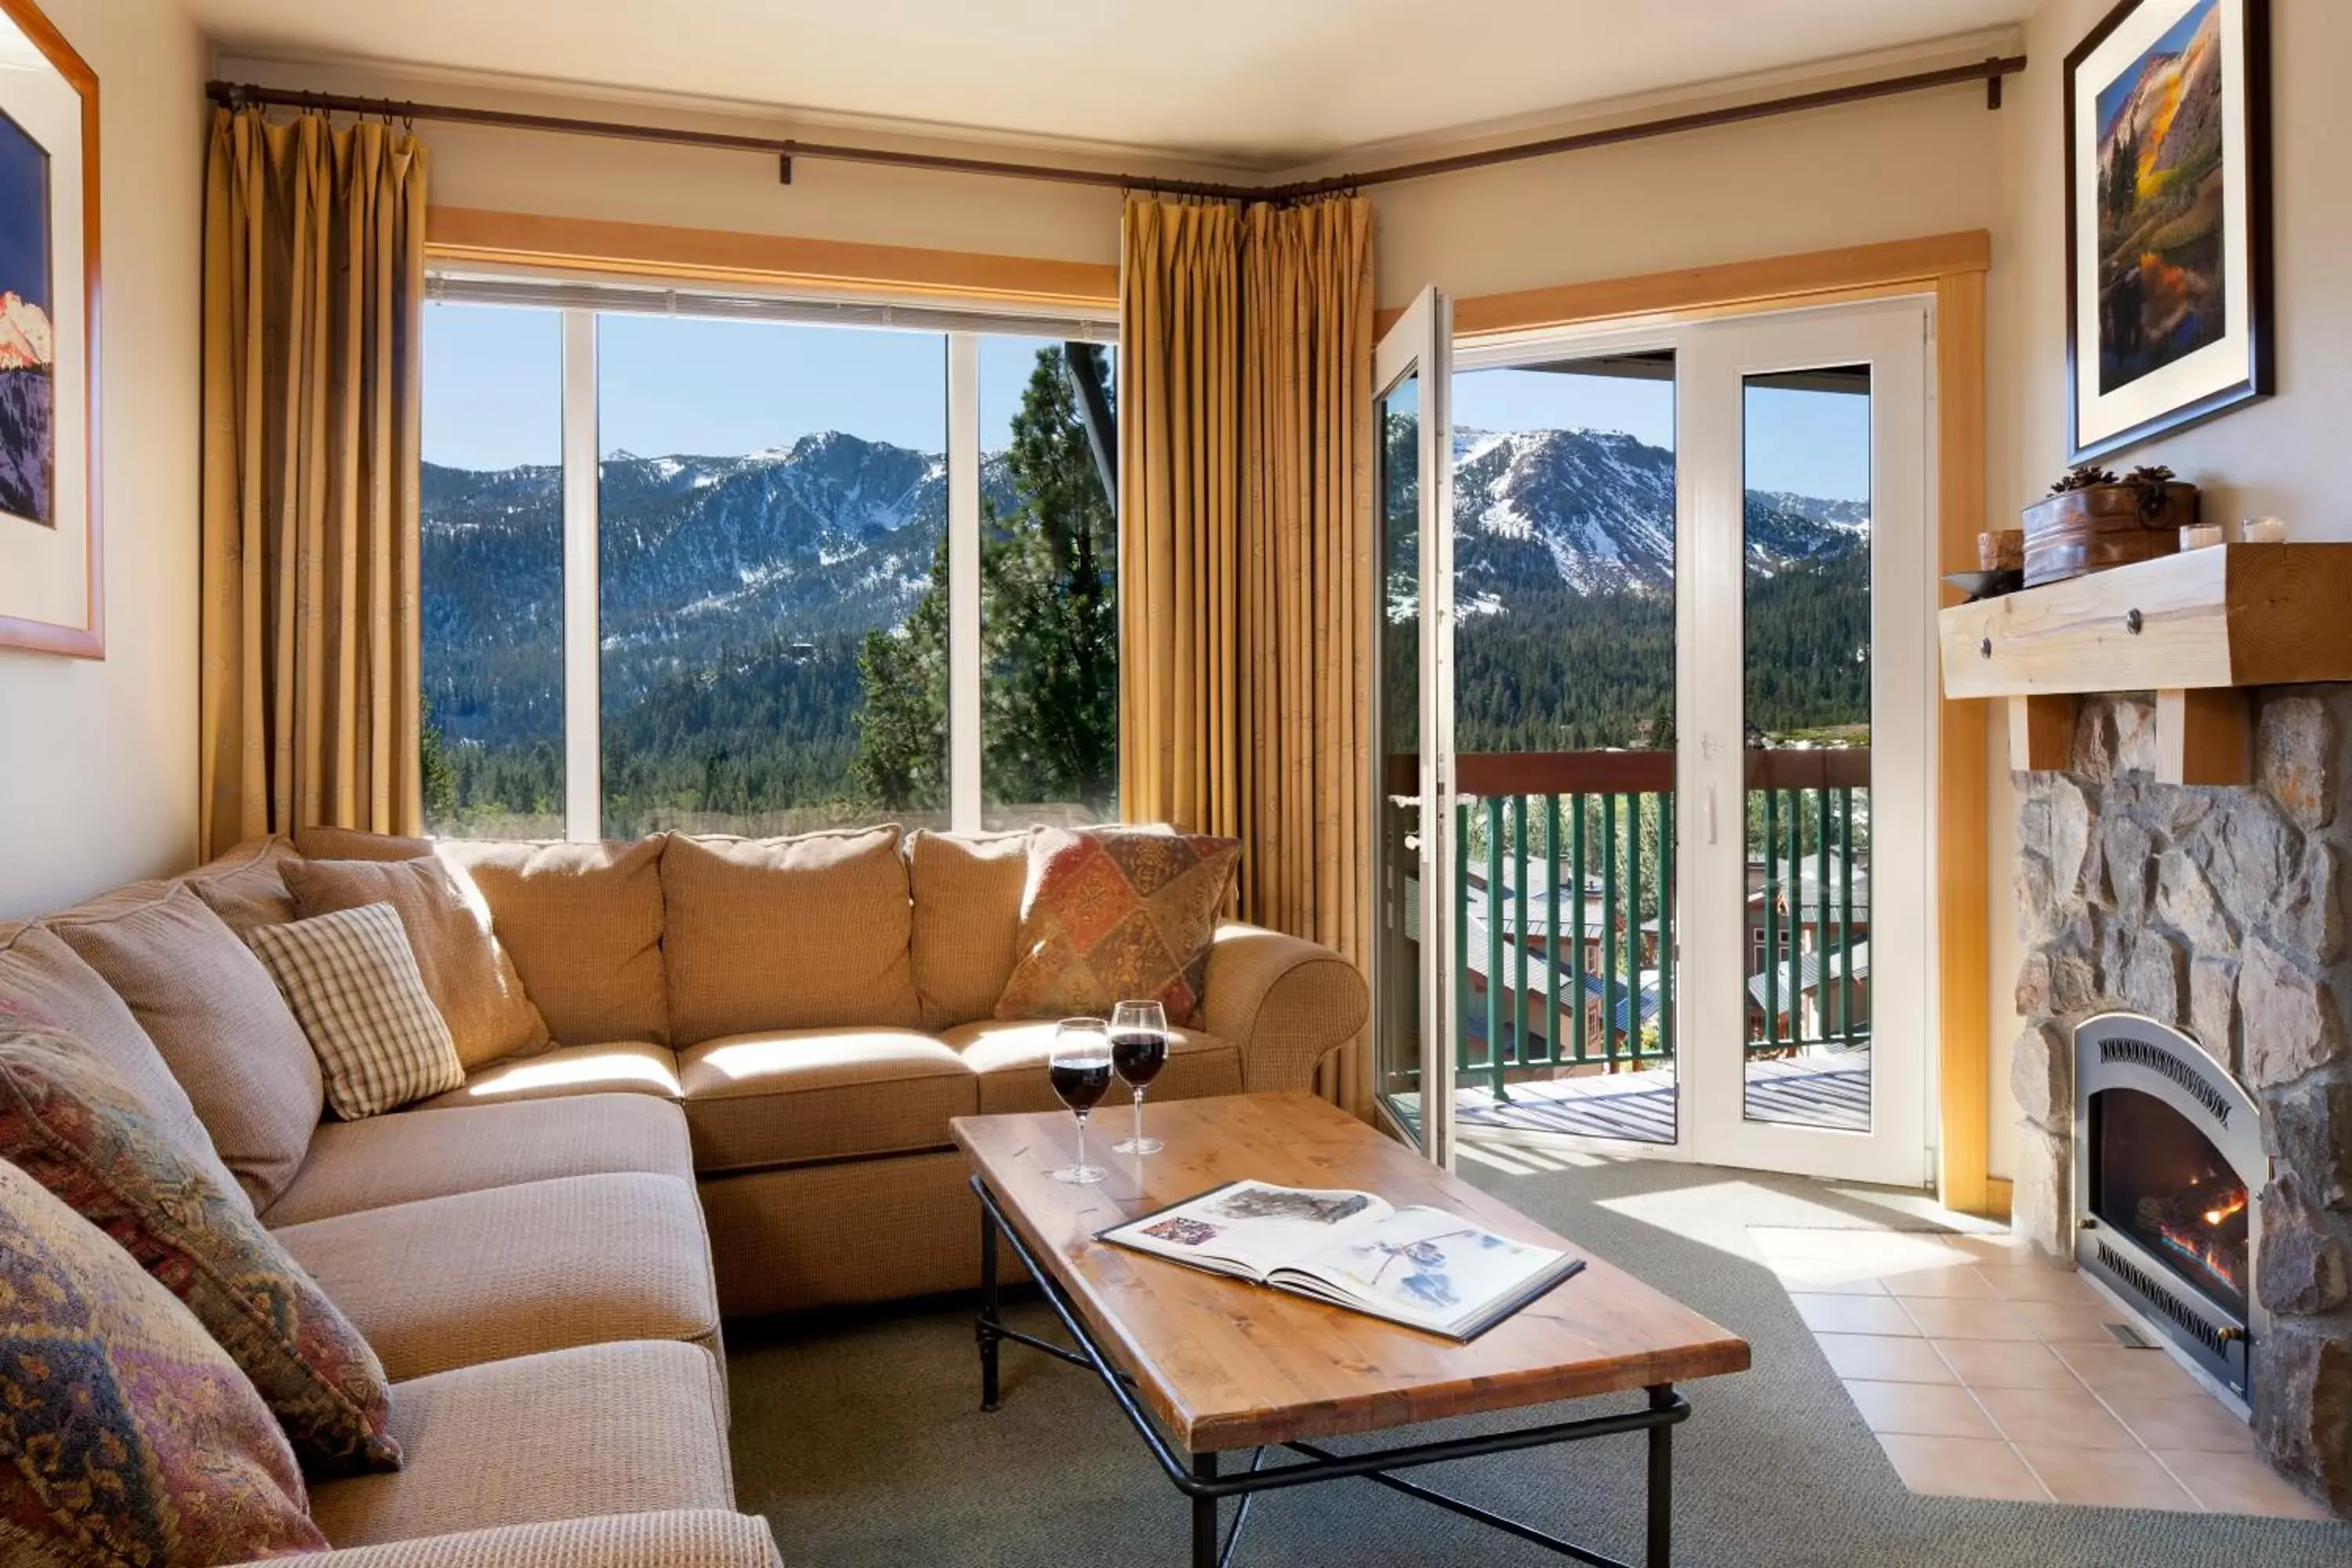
1425	1266
1254	1224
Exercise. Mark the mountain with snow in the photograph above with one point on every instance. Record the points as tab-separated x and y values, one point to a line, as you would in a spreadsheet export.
1593	511
26	340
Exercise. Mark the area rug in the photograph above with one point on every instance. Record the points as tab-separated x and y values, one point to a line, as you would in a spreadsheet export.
859	1435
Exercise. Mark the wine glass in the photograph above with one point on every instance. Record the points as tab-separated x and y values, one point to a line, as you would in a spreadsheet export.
1079	1070
1139	1049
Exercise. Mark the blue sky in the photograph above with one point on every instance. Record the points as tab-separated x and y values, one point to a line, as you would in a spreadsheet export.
674	385
677	385
1809	443
2113	96
23	215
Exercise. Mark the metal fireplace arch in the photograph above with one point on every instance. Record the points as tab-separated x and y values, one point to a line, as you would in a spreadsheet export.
2125	1051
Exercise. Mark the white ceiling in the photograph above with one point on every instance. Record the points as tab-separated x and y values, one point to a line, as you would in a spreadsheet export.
1256	82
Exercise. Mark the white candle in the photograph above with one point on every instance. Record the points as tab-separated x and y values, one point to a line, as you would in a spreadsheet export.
2264	531
2198	535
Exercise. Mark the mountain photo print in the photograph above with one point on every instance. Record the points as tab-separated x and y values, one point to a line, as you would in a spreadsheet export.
2168	295
28	433
2163	279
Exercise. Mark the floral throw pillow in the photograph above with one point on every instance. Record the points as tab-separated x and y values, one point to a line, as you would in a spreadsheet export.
128	1438
68	1122
1115	914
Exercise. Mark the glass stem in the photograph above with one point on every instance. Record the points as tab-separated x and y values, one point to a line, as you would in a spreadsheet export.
1082	1138
1139	1120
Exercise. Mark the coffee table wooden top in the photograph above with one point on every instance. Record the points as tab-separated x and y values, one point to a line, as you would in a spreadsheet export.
1225	1364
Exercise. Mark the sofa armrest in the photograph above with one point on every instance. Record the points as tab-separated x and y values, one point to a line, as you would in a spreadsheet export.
684	1538
1287	1002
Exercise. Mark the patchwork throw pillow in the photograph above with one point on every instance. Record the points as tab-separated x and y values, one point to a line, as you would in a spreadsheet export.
72	1125
128	1438
1115	914
354	986
467	973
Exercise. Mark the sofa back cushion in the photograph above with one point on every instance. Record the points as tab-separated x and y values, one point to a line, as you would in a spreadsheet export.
583	925
246	886
786	933
45	983
466	970
967	920
215	1016
76	1128
131	1437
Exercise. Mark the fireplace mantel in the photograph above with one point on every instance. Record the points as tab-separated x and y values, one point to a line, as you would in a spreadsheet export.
2196	629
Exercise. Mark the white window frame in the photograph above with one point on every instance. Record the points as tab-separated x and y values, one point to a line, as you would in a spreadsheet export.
579	302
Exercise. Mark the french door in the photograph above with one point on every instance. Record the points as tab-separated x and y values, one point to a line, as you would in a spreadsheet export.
1656	738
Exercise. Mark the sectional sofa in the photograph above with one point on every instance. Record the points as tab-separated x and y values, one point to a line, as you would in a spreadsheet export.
742	1109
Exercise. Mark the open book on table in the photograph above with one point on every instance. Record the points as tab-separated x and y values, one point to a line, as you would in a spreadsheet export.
1416	1266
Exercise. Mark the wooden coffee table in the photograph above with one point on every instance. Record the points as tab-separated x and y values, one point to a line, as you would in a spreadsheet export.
1204	1365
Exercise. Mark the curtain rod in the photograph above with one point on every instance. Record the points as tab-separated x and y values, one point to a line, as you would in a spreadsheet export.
784	150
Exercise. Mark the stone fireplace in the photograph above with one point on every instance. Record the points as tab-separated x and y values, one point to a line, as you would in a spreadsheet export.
2186	973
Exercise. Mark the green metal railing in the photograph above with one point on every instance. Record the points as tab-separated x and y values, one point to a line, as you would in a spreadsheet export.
1563	957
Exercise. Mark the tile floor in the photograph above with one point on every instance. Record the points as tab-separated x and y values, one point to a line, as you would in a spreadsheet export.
1986	1375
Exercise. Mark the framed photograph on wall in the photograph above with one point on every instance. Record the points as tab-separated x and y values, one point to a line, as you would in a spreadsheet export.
2168	219
52	593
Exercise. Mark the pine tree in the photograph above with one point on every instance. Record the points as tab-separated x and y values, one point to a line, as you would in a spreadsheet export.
1049	619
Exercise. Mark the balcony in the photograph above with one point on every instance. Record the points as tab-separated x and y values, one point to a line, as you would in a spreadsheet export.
1564	880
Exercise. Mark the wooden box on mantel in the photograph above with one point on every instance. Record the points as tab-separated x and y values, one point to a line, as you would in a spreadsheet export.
2192	628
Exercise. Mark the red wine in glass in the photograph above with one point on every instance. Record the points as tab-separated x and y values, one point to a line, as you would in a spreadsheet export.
1139	1055
1079	1070
1082	1083
1139	1046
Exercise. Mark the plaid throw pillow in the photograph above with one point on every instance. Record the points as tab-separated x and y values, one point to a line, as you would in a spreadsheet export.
353	982
1114	914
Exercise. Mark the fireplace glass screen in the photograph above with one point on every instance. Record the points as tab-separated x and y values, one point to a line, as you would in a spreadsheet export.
2158	1180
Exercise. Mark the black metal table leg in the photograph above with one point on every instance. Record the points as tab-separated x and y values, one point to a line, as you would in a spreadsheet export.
988	1329
1204	1514
1660	1551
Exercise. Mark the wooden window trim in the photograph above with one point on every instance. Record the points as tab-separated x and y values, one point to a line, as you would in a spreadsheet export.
480	237
1951	268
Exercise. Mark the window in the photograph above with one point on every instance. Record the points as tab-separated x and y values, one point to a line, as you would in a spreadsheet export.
492	566
827	564
1049	585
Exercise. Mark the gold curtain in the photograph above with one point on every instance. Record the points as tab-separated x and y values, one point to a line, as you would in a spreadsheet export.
1245	570
314	284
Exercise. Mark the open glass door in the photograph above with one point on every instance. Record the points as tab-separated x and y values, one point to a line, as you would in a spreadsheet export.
1413	1003
1809	741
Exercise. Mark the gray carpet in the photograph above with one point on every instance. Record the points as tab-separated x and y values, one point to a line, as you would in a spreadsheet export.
860	1438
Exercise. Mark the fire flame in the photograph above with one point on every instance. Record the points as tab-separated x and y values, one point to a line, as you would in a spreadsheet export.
2235	1206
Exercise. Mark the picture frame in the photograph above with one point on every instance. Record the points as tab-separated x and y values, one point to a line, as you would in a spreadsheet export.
2168	288
52	556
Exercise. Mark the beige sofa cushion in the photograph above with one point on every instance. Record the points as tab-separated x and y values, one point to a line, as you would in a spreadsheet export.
246	886
786	933
619	1067
967	920
467	971
1010	1059
820	1094
218	1019
357	844
600	1429
418	1154
509	1271
42	979
584	924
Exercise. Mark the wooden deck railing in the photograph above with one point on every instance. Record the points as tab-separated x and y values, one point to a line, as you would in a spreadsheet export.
1543	833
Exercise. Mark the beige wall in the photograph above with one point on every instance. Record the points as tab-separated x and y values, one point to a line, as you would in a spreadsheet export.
2271	458
634	182
98	761
1893	168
